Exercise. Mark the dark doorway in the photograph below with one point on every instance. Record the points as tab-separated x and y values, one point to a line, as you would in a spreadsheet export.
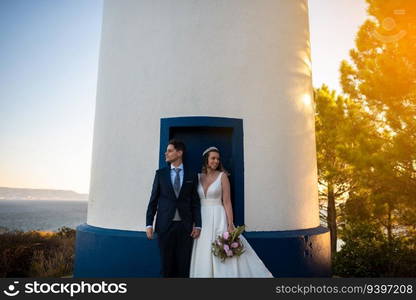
197	139
199	133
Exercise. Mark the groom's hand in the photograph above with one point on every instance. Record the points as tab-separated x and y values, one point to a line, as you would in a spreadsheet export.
195	232
149	232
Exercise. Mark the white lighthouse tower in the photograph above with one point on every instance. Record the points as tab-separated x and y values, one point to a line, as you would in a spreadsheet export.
235	74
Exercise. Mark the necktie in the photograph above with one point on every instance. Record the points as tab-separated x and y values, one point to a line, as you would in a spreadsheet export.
177	182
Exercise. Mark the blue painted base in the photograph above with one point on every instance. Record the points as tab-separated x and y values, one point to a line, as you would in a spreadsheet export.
101	252
294	253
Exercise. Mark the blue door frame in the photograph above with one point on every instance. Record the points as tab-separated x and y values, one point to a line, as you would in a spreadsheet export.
236	150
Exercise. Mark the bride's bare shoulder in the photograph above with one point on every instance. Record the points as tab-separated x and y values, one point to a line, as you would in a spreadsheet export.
224	178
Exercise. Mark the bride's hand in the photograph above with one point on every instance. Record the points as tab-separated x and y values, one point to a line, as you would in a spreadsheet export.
231	227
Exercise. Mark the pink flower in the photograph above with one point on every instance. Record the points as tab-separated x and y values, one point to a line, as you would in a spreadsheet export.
226	248
226	235
229	253
219	243
234	245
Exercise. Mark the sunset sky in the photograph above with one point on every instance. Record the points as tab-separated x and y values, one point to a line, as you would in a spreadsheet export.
49	61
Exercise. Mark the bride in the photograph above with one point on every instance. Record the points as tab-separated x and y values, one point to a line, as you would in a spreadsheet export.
217	217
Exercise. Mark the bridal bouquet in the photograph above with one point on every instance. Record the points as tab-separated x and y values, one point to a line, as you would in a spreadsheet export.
228	244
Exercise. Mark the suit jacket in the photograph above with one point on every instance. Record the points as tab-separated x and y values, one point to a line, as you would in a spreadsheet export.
164	201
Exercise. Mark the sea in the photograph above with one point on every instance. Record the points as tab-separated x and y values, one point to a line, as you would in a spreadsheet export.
43	215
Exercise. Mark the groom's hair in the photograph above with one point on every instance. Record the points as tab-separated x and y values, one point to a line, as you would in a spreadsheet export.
179	145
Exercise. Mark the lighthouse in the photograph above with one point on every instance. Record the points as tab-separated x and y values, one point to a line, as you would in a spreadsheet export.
235	74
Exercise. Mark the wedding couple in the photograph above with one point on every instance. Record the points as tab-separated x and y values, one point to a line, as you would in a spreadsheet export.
192	210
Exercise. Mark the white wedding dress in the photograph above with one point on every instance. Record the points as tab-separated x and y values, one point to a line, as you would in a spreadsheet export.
214	222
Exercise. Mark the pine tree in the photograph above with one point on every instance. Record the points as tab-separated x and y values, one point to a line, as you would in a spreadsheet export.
382	77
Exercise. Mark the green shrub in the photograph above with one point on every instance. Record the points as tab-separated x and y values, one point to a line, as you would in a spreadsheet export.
368	253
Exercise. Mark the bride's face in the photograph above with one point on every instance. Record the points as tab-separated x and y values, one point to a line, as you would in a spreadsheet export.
213	160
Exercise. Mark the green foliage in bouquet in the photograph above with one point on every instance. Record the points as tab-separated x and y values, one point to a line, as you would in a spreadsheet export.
229	244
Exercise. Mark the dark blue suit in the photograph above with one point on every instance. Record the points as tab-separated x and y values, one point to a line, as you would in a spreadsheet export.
174	238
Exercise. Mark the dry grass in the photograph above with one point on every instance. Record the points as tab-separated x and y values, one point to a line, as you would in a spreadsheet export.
37	253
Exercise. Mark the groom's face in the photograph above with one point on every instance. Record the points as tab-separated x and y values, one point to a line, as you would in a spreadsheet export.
171	154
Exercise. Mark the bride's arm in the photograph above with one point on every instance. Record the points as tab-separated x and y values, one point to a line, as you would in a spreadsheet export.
226	200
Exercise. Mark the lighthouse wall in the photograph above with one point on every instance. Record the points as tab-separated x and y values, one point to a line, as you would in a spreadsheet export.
241	59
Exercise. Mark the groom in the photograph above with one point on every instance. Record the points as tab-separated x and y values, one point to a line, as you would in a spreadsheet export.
178	221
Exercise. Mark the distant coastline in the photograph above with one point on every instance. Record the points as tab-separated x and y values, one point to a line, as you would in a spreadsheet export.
7	193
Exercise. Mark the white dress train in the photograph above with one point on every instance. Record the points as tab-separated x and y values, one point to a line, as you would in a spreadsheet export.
214	222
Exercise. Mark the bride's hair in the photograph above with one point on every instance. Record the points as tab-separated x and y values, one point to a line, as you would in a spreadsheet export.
205	163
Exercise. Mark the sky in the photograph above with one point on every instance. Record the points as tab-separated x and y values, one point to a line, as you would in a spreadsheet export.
333	25
48	76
